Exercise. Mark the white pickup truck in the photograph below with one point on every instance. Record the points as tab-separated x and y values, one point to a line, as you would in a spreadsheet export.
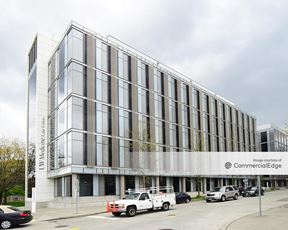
144	199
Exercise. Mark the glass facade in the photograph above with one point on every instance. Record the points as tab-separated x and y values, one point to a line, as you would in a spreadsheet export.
120	99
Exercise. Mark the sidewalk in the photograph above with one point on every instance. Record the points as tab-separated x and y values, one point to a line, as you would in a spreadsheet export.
43	214
275	218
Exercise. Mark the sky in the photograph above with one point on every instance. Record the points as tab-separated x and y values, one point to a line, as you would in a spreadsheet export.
238	49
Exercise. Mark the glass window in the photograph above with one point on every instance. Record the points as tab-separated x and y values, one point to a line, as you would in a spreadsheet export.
195	98
185	116
110	185
103	149
123	65
173	111
75	45
102	87
58	185
143	128
61	119
75	79
158	82
172	88
159	132
103	119
142	74
184	94
68	186
86	185
124	153
159	106
76	109
102	56
173	135
124	94
125	119
143	101
186	138
76	142
62	83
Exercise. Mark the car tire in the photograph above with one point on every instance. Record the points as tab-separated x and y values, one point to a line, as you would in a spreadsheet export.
6	224
208	201
131	211
223	198
187	200
165	206
236	197
116	213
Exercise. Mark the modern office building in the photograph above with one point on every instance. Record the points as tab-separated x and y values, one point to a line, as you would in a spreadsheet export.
103	103
272	139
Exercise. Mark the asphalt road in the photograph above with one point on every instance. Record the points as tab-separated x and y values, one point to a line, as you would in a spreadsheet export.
195	215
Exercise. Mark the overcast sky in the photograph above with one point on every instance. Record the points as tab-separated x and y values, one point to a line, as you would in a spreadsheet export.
238	49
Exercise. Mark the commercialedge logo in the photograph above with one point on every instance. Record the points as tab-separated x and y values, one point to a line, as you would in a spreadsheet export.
275	166
228	165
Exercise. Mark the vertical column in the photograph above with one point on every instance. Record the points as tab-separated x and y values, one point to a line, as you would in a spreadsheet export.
152	156
95	185
191	117
204	185
101	186
91	116
157	182
114	111
179	114
183	184
122	186
202	137
137	182
222	182
117	185
134	97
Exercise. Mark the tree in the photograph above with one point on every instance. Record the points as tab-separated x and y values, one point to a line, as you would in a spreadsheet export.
12	166
143	141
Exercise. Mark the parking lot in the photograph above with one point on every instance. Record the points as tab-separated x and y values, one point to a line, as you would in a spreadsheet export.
194	215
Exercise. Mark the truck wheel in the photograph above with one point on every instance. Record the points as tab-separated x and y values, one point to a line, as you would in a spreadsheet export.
223	198
236	197
116	213
187	200
165	206
131	211
6	224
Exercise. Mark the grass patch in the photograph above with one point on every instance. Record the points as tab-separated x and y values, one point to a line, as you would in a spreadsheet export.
198	198
17	203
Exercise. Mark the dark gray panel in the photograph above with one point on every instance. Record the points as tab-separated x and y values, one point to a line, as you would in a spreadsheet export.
115	148
91	150
90	51
114	82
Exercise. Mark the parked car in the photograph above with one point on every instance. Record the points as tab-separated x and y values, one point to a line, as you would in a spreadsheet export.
182	197
253	191
236	189
222	194
241	191
11	216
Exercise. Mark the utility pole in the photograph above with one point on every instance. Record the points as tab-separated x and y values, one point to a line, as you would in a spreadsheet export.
259	195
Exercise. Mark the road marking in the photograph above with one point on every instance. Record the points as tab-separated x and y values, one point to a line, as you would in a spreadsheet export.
103	217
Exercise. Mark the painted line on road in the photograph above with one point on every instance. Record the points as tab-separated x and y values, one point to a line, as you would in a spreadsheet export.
103	217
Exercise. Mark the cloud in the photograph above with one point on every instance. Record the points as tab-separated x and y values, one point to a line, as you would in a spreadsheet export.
238	49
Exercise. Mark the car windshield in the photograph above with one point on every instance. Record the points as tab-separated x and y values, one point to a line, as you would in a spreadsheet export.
14	209
132	196
254	188
217	189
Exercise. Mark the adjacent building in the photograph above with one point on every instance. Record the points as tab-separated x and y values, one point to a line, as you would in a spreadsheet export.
270	138
99	102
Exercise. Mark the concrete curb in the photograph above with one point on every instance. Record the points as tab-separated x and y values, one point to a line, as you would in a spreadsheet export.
227	226
72	216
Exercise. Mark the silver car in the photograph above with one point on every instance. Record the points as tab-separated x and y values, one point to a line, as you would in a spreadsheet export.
222	194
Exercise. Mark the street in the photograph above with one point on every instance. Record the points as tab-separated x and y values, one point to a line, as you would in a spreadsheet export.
195	215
